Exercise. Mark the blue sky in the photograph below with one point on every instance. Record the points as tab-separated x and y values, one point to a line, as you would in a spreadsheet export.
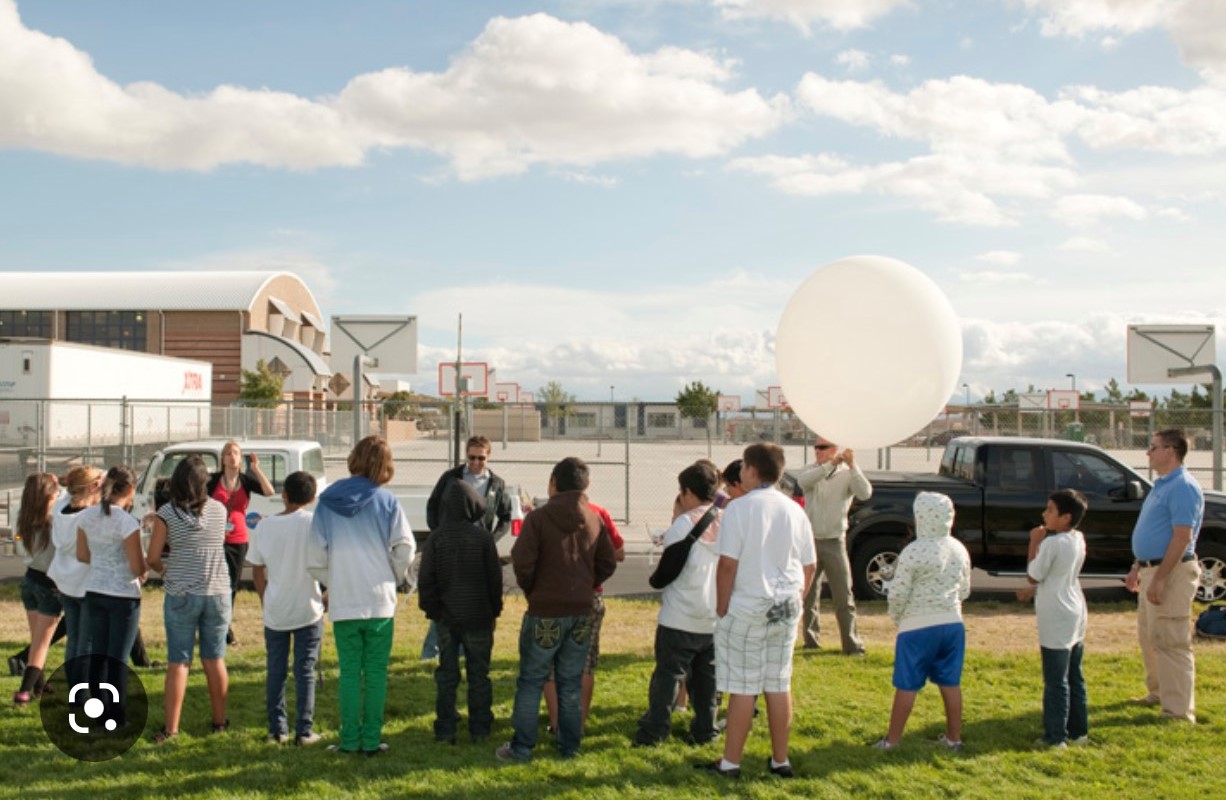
626	194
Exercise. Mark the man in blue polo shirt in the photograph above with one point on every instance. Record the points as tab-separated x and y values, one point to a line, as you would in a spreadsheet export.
1165	576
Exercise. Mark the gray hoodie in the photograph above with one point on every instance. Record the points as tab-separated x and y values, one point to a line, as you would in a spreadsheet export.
933	573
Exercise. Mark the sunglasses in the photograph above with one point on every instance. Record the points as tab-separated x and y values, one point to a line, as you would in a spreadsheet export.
823	447
477	458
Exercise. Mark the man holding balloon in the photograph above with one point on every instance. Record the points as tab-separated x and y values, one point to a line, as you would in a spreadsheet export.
829	486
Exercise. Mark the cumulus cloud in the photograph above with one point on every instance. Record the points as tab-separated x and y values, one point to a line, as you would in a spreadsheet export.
804	14
1084	210
993	150
1002	258
854	60
900	59
1198	27
1085	244
995	277
637	341
526	91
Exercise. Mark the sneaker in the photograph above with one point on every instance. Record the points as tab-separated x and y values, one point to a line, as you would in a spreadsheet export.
1145	700
884	744
1043	743
17	666
782	771
336	748
693	741
505	753
163	736
944	741
378	751
278	738
1080	741
21	698
221	727
714	768
308	739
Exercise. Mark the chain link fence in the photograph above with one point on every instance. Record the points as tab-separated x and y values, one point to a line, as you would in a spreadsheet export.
634	449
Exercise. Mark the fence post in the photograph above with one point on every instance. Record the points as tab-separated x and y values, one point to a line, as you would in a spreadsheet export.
627	460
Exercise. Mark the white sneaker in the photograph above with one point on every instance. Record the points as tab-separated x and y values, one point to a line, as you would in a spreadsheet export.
884	744
1080	741
944	741
1041	742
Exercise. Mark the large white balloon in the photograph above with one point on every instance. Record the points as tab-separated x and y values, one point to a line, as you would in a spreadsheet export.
868	351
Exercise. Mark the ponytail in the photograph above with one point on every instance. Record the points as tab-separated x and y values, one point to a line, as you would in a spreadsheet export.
118	482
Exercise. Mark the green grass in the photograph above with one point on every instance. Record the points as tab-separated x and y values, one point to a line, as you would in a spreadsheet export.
842	705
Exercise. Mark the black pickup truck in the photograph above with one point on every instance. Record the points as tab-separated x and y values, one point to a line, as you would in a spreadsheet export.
999	486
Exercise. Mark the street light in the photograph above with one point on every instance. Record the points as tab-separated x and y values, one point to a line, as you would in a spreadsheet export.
967	388
1074	379
610	394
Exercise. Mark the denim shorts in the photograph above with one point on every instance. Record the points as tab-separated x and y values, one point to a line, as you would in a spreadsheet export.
929	654
188	614
38	596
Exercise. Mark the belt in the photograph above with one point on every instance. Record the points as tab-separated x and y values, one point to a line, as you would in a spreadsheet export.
1157	561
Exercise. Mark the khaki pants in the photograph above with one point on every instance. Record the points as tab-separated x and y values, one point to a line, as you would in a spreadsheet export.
832	561
1165	633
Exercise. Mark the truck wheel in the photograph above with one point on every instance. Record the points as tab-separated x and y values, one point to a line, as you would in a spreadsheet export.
873	566
1212	572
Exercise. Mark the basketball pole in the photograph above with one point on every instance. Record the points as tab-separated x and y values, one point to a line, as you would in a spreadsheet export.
1213	370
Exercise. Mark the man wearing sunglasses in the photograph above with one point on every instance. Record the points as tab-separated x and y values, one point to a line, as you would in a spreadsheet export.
829	486
492	489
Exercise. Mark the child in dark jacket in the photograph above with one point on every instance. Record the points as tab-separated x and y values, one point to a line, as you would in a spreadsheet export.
460	589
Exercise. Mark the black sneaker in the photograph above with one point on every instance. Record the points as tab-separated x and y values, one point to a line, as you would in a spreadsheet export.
714	768
784	771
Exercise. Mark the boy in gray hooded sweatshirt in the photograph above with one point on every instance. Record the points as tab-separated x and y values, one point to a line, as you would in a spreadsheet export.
931	579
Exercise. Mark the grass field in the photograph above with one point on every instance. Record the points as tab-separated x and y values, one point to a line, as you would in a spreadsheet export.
842	705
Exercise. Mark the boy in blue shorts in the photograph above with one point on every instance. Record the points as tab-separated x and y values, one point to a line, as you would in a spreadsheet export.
1057	551
931	579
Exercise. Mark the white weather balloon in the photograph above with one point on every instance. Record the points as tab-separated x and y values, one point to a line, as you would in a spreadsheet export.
868	351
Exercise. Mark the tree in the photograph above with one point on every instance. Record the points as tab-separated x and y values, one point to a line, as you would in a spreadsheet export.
1112	392
697	401
262	388
400	405
557	400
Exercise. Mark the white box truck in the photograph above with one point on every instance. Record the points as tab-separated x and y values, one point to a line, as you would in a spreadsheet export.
59	394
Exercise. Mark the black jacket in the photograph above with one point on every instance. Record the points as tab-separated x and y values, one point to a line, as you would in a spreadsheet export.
497	515
460	581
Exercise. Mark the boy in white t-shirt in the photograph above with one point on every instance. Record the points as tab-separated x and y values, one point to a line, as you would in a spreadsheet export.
1057	551
293	607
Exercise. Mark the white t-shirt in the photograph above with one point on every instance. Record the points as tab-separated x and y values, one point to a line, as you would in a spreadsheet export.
292	598
688	603
1059	602
109	570
771	539
68	573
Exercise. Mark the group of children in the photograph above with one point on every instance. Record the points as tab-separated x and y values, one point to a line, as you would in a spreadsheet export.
461	586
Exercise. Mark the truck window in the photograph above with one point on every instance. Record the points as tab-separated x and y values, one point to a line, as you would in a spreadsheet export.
313	462
273	466
949	458
1088	473
172	460
1012	469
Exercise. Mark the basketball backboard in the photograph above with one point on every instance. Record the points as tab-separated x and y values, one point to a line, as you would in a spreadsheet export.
527	397
506	393
1063	400
392	340
1030	402
775	398
1154	350
476	373
728	403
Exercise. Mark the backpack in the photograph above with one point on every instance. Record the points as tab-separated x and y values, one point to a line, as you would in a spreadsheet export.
1211	623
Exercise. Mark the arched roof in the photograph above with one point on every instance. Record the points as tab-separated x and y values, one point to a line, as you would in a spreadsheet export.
200	290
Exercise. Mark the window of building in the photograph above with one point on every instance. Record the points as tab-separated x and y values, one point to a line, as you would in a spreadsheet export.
586	419
660	419
123	329
35	324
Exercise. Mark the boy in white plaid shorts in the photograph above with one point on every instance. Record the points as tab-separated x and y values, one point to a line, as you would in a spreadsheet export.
767	560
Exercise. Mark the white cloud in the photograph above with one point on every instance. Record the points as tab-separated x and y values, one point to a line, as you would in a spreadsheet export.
1002	258
900	60
1198	27
804	14
637	341
854	60
1084	210
995	277
532	90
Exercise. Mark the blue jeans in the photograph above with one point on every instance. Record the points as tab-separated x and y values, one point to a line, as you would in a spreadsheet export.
76	641
430	646
1065	709
306	641
185	615
560	642
113	623
476	646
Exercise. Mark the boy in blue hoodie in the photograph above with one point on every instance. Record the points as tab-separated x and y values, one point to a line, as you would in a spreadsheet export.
361	549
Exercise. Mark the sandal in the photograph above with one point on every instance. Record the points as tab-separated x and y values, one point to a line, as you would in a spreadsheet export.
21	698
221	727
163	736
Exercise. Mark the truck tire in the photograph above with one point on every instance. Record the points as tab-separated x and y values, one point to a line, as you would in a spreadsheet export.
1212	586
873	565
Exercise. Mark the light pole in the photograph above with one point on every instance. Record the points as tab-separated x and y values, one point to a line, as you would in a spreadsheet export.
1073	378
1076	400
966	387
